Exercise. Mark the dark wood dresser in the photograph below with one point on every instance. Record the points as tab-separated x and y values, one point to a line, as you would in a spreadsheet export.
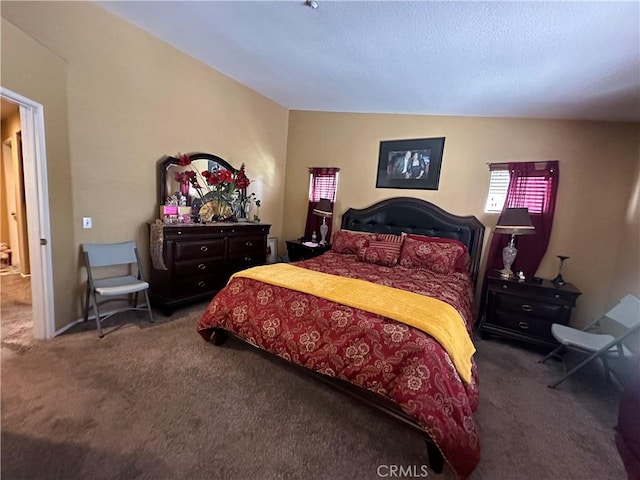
199	260
526	310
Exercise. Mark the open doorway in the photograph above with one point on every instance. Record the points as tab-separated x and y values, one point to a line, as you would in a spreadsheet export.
29	171
15	270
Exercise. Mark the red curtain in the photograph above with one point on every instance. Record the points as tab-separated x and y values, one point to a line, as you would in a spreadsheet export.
533	185
323	184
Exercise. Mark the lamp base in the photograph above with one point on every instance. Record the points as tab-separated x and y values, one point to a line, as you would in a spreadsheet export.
324	229
508	256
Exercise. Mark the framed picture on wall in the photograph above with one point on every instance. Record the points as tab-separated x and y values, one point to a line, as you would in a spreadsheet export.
411	163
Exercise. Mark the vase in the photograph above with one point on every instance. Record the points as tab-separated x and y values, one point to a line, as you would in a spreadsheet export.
184	191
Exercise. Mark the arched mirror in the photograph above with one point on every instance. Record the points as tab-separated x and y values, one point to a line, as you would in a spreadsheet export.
187	184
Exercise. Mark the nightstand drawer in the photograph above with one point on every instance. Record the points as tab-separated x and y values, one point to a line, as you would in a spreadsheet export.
527	307
544	292
525	315
526	324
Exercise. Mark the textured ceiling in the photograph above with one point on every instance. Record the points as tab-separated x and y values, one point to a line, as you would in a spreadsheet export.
566	60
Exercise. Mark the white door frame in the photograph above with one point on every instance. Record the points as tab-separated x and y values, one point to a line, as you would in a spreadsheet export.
37	199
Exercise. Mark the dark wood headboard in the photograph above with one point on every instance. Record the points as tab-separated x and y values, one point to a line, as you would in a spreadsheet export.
413	215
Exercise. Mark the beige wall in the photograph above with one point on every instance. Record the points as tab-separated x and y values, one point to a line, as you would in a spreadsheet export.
34	71
129	100
598	171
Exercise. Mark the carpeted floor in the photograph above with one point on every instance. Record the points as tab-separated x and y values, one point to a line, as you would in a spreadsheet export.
15	310
157	402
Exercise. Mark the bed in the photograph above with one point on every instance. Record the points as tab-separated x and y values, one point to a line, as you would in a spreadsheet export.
393	363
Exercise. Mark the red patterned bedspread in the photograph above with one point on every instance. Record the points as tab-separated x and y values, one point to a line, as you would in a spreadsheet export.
399	362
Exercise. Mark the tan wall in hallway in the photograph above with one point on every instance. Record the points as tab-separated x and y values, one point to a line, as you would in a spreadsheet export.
598	167
10	125
131	100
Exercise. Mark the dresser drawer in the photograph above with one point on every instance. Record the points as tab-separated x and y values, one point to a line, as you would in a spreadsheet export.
244	260
248	244
194	286
196	249
200	267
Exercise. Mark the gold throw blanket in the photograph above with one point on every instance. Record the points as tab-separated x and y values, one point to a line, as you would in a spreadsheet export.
432	316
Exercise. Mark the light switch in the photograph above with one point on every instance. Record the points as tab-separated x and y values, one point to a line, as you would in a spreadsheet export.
87	222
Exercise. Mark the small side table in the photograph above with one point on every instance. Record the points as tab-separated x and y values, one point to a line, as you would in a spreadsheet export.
297	251
525	310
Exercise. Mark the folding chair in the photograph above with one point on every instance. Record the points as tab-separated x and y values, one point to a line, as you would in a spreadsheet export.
626	314
99	255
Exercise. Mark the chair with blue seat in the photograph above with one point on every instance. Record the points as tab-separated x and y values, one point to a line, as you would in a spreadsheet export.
597	343
106	257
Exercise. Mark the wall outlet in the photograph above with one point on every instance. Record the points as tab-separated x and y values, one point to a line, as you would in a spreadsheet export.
87	222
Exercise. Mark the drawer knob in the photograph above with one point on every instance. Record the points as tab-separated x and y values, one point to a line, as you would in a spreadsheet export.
249	244
505	286
247	259
557	296
523	325
204	248
201	283
202	266
179	232
527	308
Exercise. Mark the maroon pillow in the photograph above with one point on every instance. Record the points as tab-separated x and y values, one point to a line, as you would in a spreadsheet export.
389	237
346	241
441	255
380	253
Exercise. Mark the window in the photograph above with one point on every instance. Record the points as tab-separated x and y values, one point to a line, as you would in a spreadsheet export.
498	186
323	183
527	191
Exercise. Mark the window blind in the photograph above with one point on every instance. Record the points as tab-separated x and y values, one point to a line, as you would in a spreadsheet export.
529	192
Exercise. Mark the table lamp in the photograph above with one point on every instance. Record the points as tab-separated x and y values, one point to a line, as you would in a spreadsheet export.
323	209
513	221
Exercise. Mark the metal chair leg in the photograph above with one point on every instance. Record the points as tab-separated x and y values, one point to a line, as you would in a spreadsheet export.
605	365
551	354
146	296
86	303
574	369
95	308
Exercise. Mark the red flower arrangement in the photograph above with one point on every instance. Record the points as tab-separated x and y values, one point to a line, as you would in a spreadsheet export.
219	183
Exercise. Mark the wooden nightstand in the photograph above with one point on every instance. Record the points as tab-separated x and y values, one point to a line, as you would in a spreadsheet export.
297	251
526	310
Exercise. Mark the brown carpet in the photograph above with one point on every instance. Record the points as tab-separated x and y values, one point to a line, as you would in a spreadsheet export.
156	401
15	311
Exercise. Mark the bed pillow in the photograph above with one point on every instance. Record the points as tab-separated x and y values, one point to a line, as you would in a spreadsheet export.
390	237
347	241
441	255
380	253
